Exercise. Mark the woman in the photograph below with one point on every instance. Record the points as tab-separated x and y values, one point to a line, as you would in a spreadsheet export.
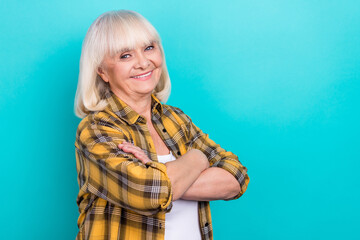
145	171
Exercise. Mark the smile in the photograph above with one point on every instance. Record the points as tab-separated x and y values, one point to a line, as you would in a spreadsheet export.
144	76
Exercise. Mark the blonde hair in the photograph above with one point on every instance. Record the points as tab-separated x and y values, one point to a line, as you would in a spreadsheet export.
108	34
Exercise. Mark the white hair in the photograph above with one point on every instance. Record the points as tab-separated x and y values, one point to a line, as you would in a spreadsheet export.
107	35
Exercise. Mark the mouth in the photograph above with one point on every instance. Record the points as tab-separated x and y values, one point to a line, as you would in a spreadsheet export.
143	76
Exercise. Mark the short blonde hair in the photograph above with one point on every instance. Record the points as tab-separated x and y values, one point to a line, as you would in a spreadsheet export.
107	35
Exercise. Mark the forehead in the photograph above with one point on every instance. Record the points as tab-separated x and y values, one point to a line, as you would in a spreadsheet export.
125	38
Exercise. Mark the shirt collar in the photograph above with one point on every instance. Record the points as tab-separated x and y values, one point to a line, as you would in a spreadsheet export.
125	112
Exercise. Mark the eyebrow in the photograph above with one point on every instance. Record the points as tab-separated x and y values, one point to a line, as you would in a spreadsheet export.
126	49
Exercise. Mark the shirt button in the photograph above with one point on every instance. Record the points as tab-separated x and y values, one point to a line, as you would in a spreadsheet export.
206	224
178	153
164	130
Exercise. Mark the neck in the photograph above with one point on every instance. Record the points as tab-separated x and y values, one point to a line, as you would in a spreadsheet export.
139	103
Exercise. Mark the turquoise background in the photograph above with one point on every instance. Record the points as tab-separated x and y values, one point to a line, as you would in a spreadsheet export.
276	82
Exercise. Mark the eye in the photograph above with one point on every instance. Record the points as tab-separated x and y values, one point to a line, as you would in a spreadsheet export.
125	56
149	47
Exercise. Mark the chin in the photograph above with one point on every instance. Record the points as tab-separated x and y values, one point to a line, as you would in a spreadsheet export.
146	90
148	87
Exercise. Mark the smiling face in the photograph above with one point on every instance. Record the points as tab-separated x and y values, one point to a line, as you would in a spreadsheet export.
133	73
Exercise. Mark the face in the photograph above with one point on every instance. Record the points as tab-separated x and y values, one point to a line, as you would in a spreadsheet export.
133	73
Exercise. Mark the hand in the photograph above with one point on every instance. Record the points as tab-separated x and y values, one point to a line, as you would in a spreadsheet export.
136	151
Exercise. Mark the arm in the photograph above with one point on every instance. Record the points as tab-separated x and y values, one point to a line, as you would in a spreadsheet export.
183	172
213	184
118	177
219	185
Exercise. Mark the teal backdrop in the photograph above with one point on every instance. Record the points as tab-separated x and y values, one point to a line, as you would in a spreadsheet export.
276	82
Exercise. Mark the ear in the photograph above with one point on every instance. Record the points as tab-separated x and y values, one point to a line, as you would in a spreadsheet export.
102	73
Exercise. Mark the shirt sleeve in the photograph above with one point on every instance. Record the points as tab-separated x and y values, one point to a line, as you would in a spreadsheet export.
218	157
118	177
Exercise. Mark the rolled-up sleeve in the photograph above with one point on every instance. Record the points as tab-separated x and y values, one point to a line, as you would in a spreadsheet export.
118	177
217	156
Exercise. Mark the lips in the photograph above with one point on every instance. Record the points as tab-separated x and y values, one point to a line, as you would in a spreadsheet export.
143	75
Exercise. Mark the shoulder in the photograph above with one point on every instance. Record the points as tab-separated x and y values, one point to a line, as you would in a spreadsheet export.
177	113
97	126
97	119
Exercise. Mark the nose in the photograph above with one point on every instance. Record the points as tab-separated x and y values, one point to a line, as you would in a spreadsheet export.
142	61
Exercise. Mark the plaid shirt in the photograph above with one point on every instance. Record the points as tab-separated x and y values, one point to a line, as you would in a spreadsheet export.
120	197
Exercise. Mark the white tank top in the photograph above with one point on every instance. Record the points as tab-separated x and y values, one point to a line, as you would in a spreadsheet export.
182	222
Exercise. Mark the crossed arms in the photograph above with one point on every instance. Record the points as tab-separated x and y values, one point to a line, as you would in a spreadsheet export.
205	172
191	178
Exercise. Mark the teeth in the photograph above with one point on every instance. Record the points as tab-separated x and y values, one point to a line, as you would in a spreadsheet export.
142	76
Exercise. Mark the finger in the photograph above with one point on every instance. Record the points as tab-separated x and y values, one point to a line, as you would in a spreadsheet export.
130	146
136	151
142	157
123	143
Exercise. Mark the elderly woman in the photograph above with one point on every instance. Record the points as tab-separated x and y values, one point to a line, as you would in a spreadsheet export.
145	171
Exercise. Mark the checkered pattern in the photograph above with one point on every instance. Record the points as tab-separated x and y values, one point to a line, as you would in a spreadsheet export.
120	197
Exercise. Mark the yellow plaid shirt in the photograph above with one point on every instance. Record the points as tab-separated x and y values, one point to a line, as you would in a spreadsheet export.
120	197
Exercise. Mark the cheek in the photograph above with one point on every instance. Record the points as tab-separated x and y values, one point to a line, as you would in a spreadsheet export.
122	71
158	60
158	64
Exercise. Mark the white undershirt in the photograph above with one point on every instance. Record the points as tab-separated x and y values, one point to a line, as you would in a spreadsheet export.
182	222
